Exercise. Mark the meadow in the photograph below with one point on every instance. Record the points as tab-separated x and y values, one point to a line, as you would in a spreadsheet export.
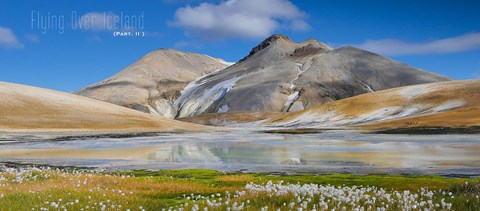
47	188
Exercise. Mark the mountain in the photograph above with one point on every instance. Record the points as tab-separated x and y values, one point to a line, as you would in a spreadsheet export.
31	109
442	104
154	82
280	75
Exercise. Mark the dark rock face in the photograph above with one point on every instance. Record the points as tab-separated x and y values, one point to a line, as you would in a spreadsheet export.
267	42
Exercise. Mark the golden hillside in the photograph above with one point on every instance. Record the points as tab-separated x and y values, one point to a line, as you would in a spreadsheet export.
26	108
397	103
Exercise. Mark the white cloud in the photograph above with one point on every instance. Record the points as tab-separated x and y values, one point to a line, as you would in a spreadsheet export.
239	18
8	39
393	47
31	37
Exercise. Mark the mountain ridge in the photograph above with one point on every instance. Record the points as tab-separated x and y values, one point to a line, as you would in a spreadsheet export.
299	75
278	75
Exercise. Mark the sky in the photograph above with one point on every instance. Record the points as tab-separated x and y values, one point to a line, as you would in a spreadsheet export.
67	45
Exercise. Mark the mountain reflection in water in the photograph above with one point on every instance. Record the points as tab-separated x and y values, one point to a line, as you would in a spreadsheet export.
328	152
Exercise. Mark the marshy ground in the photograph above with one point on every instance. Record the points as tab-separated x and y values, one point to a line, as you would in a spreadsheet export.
45	188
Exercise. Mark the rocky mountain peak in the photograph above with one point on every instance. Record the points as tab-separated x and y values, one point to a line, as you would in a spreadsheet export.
310	47
265	43
279	75
316	43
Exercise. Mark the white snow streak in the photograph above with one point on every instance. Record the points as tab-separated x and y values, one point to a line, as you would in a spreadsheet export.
221	60
197	100
414	91
291	99
223	109
449	105
369	88
301	68
334	119
227	63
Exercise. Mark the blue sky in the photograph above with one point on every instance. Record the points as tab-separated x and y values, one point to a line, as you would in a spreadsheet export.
438	36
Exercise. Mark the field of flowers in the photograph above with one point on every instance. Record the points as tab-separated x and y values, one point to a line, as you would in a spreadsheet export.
45	188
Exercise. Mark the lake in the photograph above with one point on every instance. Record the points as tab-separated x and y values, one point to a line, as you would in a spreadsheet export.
334	151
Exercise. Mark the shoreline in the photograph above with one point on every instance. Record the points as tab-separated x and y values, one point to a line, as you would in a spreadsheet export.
258	169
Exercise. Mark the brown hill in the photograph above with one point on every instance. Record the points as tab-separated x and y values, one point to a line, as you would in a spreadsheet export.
26	109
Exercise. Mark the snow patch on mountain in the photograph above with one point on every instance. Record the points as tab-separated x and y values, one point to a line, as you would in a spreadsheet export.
291	99
414	92
301	68
221	60
369	88
449	105
335	119
223	109
198	100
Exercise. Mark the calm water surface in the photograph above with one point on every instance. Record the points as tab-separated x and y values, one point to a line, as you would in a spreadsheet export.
328	152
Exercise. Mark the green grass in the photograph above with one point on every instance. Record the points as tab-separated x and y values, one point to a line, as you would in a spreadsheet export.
399	182
154	190
191	173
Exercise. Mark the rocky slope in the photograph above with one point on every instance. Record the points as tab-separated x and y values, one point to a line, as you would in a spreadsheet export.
31	109
417	105
280	75
154	82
